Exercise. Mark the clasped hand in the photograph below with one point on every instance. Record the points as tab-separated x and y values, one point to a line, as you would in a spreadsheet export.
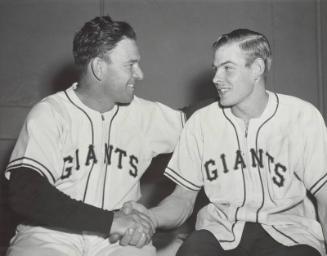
132	225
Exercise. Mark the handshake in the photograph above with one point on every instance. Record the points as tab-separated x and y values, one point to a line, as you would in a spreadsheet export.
133	225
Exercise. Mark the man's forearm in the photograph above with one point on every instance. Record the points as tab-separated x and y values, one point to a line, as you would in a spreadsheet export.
32	197
175	209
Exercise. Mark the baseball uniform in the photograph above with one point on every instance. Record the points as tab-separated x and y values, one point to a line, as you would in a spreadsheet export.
256	173
94	157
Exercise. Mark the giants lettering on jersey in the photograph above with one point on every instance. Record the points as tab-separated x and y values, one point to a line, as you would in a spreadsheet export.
113	155
257	159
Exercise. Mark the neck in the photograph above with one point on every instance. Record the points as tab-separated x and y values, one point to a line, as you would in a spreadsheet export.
91	94
253	106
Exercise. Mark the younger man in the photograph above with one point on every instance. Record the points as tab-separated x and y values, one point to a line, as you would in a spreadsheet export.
257	154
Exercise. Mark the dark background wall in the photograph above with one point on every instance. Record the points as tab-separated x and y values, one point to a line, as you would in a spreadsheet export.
174	37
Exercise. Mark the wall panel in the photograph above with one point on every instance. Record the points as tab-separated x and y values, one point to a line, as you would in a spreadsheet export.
12	119
323	23
175	39
295	51
36	45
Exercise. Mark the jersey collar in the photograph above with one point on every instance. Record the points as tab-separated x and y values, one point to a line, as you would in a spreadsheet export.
269	110
76	100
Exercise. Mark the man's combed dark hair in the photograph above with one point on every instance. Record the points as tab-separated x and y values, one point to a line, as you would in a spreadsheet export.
255	45
97	37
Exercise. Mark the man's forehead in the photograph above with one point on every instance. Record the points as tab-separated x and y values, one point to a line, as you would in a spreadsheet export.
126	49
230	53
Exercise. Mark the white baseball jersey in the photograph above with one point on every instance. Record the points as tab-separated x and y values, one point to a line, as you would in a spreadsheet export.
259	174
95	157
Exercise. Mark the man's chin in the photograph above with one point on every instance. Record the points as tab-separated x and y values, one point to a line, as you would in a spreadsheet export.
225	103
127	100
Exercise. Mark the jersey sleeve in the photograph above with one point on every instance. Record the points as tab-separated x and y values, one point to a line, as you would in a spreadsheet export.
185	166
163	128
38	144
315	152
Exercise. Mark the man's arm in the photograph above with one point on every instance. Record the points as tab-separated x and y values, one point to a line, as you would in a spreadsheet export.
40	203
171	212
175	209
321	197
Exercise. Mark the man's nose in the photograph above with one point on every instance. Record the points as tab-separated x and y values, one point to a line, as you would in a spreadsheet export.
217	77
138	73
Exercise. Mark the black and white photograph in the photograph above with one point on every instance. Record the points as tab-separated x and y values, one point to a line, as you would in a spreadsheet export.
163	127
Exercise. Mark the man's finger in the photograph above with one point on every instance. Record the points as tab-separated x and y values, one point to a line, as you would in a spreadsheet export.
142	241
147	233
127	237
127	207
149	223
142	219
137	235
114	238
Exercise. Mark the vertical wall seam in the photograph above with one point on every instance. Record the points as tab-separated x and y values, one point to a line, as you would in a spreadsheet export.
101	4
273	84
319	52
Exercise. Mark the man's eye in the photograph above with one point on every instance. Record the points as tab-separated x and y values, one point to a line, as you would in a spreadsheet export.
130	65
227	68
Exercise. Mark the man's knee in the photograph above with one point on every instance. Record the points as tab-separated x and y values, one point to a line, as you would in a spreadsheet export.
148	250
298	250
201	242
185	250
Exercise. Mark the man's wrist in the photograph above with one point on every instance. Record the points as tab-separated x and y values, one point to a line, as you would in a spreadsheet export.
154	218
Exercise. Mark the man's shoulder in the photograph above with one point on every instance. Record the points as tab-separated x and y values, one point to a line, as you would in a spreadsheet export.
139	101
145	104
52	104
297	110
293	103
201	106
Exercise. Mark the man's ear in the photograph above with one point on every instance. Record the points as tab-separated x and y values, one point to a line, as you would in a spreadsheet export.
258	67
97	68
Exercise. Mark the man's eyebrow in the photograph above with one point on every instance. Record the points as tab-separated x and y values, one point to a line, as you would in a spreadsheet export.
226	62
222	64
134	60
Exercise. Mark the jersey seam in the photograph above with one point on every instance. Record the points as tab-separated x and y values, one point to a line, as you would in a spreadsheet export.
92	132
230	241
289	208
287	236
105	177
256	145
243	177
